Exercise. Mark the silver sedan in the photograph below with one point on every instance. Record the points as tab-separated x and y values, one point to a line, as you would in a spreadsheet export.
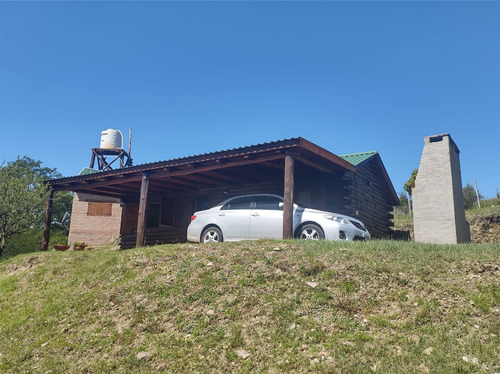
260	216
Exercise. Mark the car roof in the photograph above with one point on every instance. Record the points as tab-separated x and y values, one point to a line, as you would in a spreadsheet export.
247	195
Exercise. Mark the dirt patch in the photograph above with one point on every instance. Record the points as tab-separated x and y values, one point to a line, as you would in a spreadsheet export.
29	263
485	229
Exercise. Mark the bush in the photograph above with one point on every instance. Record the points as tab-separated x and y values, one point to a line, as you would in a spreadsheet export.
470	197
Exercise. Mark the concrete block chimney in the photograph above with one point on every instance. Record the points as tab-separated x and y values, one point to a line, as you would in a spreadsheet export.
438	200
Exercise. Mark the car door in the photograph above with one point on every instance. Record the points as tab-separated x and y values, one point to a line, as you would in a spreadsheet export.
266	218
234	218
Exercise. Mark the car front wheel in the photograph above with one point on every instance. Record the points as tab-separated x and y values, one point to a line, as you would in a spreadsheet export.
311	232
212	234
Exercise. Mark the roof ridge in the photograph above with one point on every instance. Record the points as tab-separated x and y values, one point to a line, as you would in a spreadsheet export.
359	153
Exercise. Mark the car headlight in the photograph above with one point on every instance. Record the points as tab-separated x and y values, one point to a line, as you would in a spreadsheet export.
337	219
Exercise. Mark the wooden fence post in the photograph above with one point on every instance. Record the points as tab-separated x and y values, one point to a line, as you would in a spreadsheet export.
409	204
143	206
477	194
288	196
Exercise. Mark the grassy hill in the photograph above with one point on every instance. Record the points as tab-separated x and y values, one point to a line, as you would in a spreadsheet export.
265	306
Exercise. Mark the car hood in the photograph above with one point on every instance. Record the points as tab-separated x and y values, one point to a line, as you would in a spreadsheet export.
301	210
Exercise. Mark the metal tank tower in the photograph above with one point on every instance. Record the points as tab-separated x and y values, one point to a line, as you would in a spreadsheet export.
111	150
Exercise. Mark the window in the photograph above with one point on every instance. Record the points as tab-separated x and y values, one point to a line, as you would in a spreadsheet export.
99	209
161	213
239	203
168	212
153	216
202	203
268	203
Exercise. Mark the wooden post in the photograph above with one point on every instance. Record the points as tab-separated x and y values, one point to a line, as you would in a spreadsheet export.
143	205
477	194
92	159
288	197
47	221
409	204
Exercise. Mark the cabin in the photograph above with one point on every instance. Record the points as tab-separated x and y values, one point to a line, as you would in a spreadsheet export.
152	203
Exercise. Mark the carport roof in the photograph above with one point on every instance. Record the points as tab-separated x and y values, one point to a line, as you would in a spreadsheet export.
249	164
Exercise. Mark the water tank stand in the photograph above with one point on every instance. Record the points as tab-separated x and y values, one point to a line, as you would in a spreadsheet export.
102	162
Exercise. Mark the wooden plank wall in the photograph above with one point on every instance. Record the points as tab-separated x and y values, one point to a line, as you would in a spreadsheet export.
367	200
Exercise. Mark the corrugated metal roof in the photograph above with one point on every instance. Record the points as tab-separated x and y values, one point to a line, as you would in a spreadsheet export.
358	158
278	144
215	154
311	152
87	171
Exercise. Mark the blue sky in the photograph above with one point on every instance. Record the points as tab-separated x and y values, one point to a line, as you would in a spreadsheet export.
196	77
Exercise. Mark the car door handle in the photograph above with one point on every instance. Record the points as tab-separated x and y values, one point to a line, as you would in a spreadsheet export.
255	214
222	214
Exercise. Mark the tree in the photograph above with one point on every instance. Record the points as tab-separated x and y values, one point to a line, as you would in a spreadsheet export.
403	202
408	184
470	197
22	198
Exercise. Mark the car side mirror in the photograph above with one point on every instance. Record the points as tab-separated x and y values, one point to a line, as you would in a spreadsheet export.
281	204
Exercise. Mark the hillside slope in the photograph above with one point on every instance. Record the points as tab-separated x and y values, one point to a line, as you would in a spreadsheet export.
253	307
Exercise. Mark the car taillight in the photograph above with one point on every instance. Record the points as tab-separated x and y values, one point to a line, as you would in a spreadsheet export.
193	217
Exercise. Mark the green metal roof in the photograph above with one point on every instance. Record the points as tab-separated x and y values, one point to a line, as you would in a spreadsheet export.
358	158
87	171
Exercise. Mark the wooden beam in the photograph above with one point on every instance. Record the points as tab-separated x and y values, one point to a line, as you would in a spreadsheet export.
242	174
315	165
288	196
219	175
185	182
98	182
204	179
100	192
47	221
264	171
92	159
163	173
143	205
272	165
123	188
316	149
229	164
162	186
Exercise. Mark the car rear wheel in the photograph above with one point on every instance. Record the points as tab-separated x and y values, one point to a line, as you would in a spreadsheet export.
311	232
212	234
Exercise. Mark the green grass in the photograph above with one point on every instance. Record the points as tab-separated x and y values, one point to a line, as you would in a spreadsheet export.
389	307
487	207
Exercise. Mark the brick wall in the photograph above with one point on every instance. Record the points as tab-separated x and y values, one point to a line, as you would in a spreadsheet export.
94	230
